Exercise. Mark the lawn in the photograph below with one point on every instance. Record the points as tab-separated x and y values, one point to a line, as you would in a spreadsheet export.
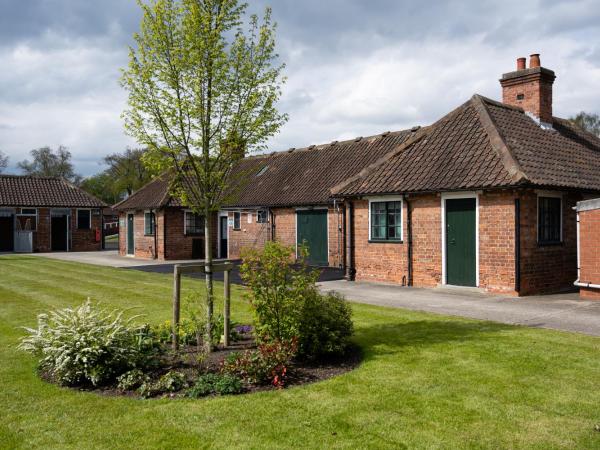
427	381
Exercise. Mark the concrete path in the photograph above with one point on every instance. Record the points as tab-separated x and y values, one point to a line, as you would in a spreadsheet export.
561	312
109	258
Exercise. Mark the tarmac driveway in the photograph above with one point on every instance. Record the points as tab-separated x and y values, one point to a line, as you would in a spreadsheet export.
561	312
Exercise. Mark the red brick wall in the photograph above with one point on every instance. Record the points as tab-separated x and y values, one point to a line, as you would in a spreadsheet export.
254	235
543	269
589	229
497	242
178	245
537	92
81	240
551	268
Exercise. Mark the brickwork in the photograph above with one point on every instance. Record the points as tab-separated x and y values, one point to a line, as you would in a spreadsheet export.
81	240
589	235
250	235
547	268
530	89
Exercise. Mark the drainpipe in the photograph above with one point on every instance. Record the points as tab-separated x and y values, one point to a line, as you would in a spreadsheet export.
154	218
350	271
409	242
343	240
517	245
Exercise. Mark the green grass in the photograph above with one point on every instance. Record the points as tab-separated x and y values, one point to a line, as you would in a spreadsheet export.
427	381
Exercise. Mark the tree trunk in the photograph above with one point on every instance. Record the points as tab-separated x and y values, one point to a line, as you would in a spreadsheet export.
209	279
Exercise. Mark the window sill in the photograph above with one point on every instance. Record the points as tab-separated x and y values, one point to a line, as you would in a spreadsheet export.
382	241
550	244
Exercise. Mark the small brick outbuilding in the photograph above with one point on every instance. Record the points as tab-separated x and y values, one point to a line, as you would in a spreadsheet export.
483	198
41	214
588	223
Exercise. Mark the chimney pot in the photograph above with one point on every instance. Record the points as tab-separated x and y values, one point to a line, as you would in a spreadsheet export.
521	63
534	60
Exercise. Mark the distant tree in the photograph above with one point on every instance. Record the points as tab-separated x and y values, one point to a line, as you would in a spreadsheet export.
127	170
102	186
3	161
47	162
588	122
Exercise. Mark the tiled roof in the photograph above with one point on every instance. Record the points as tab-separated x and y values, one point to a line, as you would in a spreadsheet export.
44	192
294	177
484	144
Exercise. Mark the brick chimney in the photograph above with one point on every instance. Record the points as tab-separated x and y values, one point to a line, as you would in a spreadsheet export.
530	88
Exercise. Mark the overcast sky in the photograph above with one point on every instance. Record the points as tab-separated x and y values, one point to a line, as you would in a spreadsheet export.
354	67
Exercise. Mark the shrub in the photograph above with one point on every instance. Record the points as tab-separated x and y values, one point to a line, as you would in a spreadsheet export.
212	383
276	289
187	332
88	344
268	364
325	326
172	381
131	380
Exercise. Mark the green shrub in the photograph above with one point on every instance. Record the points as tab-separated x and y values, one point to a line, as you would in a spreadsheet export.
276	289
325	326
266	365
88	345
132	380
187	332
212	383
170	382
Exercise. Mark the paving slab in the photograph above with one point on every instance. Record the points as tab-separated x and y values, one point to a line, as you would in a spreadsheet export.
561	311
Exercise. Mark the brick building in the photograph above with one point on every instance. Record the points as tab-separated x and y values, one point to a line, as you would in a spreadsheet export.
484	197
40	214
588	221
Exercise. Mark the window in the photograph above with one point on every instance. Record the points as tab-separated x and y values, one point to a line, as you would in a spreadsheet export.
149	223
84	219
262	216
386	221
237	219
194	224
27	220
549	220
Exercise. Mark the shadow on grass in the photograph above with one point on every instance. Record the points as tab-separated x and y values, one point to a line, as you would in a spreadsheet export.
390	338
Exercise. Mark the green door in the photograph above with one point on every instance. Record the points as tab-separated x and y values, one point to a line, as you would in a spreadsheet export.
461	248
130	235
312	231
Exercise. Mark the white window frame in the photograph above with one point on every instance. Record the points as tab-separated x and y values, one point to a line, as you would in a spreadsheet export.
148	211
90	219
382	199
266	216
549	194
239	213
185	213
22	214
452	196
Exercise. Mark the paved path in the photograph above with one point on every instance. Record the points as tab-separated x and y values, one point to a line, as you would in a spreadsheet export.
561	312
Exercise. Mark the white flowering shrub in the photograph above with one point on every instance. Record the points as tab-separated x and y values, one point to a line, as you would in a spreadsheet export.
87	344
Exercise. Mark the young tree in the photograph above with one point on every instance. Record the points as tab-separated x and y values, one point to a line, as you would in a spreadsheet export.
588	122
202	93
47	162
102	186
3	161
127	170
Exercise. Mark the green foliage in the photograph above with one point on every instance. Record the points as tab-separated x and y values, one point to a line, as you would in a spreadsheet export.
187	332
588	122
132	380
325	326
87	344
268	364
212	383
277	289
3	161
47	162
170	382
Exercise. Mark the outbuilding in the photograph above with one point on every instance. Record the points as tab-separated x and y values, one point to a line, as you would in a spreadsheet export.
588	261
40	214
